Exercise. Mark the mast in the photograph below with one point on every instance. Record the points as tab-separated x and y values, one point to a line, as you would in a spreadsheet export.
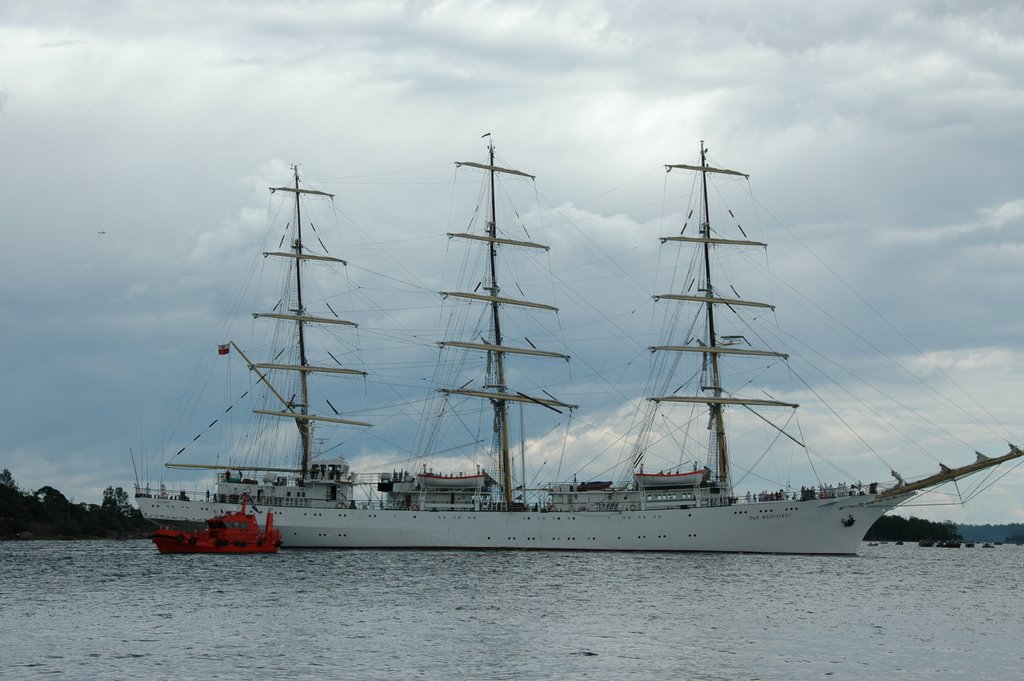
711	392
715	409
297	407
497	359
495	388
304	425
300	411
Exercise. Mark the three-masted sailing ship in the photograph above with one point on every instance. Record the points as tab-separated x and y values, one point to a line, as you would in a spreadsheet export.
323	503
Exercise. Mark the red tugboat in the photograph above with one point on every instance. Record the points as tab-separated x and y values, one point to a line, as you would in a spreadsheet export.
230	533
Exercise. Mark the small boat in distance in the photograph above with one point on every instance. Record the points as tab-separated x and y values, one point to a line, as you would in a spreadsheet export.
236	532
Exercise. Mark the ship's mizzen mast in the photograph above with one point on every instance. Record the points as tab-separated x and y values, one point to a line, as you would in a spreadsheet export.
496	389
713	395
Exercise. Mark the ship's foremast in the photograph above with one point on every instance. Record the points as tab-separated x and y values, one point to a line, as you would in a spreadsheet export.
300	411
304	426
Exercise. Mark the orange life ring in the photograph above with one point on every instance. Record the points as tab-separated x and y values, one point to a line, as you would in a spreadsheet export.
632	507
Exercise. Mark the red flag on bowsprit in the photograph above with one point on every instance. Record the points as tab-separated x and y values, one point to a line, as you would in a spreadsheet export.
223	349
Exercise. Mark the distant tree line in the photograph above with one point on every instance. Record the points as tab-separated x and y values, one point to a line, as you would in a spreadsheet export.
1012	533
896	528
47	514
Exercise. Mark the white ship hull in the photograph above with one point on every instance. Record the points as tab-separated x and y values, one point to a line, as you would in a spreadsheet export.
819	526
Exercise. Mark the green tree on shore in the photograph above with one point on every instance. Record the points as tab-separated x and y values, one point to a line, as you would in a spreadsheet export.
47	513
896	528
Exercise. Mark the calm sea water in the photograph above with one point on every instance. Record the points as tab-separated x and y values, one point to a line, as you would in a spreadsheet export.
90	610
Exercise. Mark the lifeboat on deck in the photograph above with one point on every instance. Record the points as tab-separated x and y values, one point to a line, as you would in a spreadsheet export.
687	479
236	532
480	480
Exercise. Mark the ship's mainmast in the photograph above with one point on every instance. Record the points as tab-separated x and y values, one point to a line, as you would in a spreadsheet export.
495	388
496	360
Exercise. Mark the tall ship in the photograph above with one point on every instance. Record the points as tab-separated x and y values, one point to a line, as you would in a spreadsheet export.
319	501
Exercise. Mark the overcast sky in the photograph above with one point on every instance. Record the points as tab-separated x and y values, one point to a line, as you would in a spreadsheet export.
883	142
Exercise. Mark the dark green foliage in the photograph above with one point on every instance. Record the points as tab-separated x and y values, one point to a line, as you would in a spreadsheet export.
896	528
1012	533
7	480
47	513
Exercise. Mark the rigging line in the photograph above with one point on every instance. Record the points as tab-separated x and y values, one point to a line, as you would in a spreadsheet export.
194	386
670	432
584	202
212	423
750	471
342	179
561	455
763	418
869	406
849	428
991	479
617	438
893	327
858	378
900	367
379	249
593	427
590	244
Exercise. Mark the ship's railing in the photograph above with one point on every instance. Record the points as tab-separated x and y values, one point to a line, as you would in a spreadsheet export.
431	507
274	501
365	478
810	493
177	493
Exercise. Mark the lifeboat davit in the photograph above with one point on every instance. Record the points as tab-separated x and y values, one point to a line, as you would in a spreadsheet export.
236	532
